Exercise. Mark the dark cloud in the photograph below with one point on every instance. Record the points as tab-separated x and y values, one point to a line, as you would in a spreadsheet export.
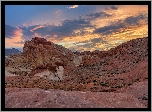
68	26
9	31
109	29
46	30
65	29
96	40
89	44
97	15
114	7
115	27
27	34
20	42
92	43
134	20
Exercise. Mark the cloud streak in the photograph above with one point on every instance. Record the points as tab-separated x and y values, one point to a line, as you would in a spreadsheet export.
73	7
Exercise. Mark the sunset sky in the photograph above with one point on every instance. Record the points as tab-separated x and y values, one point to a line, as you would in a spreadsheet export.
76	27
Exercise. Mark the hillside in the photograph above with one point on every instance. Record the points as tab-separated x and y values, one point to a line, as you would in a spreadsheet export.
40	53
48	66
124	61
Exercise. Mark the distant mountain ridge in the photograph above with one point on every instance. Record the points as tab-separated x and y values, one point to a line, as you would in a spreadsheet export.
11	51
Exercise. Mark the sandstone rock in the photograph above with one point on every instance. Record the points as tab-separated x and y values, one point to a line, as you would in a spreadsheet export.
41	53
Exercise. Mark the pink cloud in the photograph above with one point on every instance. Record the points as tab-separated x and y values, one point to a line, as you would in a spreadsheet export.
15	39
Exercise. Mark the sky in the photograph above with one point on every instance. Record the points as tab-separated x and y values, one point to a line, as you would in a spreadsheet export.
76	27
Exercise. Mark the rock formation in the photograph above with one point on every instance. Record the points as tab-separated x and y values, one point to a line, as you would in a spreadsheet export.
48	66
39	54
39	51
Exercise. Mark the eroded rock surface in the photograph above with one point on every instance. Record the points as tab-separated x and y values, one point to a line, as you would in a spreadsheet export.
38	98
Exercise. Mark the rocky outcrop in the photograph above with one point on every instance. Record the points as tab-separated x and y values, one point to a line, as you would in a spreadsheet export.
42	54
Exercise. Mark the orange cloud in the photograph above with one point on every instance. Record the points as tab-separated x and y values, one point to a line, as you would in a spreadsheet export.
121	13
113	40
11	42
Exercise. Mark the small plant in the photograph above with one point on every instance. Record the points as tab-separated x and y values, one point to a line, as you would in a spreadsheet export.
129	84
104	84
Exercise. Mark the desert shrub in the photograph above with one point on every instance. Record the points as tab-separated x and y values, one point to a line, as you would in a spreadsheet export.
104	84
129	84
94	89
